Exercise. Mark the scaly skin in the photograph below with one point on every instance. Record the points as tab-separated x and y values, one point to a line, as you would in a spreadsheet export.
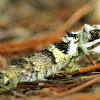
50	60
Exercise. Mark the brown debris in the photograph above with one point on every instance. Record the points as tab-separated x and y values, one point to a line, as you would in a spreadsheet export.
36	44
3	62
39	43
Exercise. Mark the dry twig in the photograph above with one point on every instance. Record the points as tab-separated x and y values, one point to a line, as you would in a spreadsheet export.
80	87
88	69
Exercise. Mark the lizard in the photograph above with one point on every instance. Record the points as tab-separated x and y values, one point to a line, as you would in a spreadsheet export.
52	59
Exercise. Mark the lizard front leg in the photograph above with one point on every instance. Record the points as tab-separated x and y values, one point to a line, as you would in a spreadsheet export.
72	67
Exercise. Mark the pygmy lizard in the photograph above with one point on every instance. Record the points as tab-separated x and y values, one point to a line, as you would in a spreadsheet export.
50	60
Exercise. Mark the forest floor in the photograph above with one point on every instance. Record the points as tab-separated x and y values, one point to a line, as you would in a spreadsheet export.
27	26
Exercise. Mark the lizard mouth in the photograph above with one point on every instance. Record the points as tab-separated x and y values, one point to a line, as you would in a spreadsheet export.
94	46
91	45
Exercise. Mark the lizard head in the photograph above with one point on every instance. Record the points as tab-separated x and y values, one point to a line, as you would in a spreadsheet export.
89	38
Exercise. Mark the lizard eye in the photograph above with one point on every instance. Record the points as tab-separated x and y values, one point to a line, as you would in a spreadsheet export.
95	34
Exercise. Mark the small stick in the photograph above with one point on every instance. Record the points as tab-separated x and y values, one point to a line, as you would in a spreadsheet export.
91	60
88	69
